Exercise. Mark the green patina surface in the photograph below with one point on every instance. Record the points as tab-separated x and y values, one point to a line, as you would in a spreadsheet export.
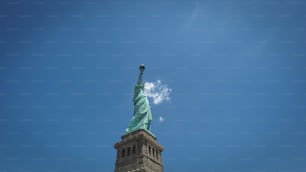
142	112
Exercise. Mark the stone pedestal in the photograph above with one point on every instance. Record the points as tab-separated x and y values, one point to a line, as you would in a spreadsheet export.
138	151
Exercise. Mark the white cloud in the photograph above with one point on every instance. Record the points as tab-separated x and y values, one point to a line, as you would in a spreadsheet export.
157	91
161	119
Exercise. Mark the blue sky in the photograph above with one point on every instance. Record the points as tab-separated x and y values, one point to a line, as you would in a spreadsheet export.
236	70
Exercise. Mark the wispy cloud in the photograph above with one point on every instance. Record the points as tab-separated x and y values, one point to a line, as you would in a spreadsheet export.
161	119
157	91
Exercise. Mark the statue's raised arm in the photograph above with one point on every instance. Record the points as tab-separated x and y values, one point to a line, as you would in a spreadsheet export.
141	69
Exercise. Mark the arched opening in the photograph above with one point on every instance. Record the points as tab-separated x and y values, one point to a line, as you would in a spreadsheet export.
134	149
123	153
128	151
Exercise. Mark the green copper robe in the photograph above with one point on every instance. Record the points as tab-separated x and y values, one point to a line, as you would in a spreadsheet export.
142	113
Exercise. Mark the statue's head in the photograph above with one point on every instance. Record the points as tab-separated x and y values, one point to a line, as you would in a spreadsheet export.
142	68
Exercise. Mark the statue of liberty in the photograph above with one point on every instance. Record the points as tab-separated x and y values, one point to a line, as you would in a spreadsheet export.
142	113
